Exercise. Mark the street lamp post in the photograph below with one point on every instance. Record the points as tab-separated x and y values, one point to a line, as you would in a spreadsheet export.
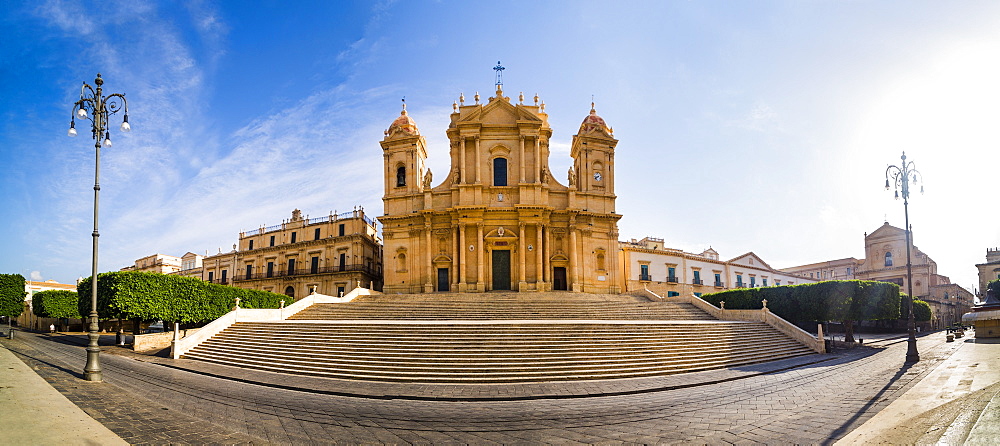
96	107
901	177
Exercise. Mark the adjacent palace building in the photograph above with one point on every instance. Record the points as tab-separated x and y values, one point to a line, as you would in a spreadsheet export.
500	219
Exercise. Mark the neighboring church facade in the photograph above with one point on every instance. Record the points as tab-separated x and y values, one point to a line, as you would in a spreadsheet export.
885	260
499	219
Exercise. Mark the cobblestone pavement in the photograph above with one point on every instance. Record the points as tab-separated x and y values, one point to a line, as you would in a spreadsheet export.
819	403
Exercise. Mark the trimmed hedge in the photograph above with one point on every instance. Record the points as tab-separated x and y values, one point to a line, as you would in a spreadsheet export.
921	309
153	296
55	303
11	295
832	300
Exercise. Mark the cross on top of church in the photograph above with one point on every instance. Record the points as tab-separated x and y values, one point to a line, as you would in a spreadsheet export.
499	69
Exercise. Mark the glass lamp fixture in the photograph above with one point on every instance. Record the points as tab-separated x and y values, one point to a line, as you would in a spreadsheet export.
125	127
82	112
886	184
107	140
72	129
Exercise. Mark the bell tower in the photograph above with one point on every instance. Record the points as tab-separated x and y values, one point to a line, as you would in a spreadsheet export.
404	155
593	153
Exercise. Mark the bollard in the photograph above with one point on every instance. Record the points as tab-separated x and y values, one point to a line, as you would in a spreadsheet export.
120	337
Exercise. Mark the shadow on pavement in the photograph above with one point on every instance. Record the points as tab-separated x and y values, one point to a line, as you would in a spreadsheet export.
75	373
842	429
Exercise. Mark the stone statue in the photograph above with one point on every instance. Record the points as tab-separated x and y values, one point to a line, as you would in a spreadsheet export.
458	176
544	175
427	179
572	176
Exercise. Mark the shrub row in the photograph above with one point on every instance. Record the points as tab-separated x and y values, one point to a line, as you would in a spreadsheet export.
833	300
152	296
55	303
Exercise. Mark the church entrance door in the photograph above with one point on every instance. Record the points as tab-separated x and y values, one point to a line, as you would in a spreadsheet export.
443	279
559	278
501	270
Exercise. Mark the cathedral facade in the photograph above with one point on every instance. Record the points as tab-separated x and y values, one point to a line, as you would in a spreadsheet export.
499	219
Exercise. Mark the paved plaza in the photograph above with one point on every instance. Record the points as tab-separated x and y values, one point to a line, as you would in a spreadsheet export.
817	401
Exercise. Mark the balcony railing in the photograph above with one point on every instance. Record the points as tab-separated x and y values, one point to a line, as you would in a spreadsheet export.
645	277
697	282
719	284
671	279
309	271
739	284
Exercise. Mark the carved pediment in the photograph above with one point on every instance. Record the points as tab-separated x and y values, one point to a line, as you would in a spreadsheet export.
499	112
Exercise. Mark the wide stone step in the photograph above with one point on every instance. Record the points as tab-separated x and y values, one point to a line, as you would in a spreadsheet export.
477	376
554	350
483	356
478	306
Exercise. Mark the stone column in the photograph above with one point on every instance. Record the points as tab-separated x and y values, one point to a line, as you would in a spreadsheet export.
463	265
456	244
522	283
573	261
547	254
539	268
538	160
461	156
430	282
479	165
480	285
522	162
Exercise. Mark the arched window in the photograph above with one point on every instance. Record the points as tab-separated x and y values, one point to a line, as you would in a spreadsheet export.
401	176
888	258
290	292
500	171
401	265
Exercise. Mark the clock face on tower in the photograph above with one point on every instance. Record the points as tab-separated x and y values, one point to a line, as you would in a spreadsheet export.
597	176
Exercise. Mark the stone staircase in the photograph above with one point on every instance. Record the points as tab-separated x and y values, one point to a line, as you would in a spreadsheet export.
503	306
496	338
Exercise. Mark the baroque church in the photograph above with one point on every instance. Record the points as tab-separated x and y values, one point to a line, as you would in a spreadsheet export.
500	219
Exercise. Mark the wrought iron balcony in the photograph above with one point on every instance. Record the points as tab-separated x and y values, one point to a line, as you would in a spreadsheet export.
697	282
365	269
672	279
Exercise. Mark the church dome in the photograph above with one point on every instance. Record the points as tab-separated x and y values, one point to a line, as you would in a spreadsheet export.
402	126
593	123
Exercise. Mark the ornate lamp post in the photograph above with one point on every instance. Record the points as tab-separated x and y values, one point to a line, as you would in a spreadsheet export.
901	177
96	107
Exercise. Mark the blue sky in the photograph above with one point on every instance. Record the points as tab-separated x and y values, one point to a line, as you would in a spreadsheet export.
744	126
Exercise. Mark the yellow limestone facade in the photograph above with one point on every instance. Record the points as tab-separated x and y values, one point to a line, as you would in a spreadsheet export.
499	219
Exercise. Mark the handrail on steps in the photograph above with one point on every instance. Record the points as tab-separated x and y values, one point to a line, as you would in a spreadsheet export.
815	343
182	346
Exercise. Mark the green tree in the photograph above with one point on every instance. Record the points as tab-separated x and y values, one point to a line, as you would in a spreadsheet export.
921	309
57	304
11	295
